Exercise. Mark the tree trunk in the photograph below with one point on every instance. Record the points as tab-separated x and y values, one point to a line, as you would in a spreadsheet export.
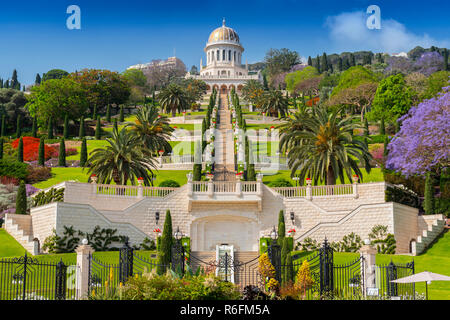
330	176
174	112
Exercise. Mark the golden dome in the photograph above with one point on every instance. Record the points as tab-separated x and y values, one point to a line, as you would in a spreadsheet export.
223	34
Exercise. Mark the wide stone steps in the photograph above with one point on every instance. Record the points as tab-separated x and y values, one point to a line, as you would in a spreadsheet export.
429	235
21	236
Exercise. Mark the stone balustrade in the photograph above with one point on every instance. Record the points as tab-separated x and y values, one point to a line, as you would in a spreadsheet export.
318	191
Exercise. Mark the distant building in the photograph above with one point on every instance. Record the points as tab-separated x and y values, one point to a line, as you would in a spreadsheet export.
401	54
172	62
224	69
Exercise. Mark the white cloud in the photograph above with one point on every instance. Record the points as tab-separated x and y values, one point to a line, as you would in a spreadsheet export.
348	31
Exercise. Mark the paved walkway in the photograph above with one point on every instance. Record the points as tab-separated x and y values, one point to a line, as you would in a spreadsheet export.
224	144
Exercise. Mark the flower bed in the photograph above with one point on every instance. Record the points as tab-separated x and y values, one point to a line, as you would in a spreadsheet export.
31	149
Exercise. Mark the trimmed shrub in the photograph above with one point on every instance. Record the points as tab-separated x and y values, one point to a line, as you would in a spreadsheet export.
62	154
21	199
280	183
38	174
83	153
403	196
169	184
20	150
197	172
165	249
13	169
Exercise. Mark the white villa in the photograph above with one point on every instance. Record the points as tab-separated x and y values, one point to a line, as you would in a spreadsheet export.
224	69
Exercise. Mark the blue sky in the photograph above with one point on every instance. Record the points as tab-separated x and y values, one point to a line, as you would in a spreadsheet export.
115	34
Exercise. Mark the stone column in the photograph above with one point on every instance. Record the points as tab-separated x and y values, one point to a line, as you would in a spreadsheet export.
355	186
94	185
308	189
210	188
368	253
238	186
140	191
190	190
259	179
82	283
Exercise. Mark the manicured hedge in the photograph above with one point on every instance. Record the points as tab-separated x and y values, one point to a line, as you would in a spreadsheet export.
402	196
13	169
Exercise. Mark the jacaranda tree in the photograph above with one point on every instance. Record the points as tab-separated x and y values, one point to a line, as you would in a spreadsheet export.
423	142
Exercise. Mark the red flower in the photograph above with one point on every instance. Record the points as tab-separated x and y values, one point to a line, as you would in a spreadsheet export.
31	149
93	175
308	179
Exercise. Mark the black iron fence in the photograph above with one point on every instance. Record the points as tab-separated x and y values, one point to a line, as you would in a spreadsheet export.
27	278
384	274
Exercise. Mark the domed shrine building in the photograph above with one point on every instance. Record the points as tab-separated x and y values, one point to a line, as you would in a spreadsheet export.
224	69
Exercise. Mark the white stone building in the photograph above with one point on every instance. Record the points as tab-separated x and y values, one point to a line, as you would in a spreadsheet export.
224	69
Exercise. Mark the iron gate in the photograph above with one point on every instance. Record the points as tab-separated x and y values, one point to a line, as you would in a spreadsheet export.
27	278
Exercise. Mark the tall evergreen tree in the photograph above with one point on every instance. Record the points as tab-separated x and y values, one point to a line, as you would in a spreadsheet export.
108	113
21	199
34	128
352	60
94	112
1	148
41	153
310	61
340	66
281	226
82	133
66	127
382	127
83	153
20	150
3	133
38	80
98	129
429	194
318	64
324	62
62	153
165	249
19	126
15	84
50	129
116	126
284	254
121	115
288	268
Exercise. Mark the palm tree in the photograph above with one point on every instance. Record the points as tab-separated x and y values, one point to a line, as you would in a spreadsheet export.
274	102
152	129
325	148
122	160
173	98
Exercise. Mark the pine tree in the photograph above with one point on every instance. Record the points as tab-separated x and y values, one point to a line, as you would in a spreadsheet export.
382	128
15	84
19	126
324	62
41	153
121	116
165	250
318	64
62	153
38	80
21	199
20	150
34	128
98	129
83	153
50	129
81	133
429	194
108	113
66	127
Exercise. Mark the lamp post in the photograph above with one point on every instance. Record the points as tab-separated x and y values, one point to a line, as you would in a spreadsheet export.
275	254
178	253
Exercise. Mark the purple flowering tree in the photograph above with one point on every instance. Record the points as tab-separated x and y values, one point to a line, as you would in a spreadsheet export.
399	64
429	63
423	143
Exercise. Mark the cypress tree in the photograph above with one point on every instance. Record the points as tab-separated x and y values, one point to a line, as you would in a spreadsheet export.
108	113
21	199
116	127
382	128
318	64
50	129
19	127
366	127
309	61
38	79
121	116
284	254
3	126
1	148
324	62
66	127
62	153
94	112
81	134
34	128
83	153
281	226
429	194
164	254
20	150
289	268
41	153
98	129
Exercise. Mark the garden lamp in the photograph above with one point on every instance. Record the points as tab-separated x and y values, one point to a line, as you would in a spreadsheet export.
178	235
274	234
157	217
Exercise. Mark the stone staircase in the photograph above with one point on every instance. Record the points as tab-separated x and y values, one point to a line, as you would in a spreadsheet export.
19	227
434	227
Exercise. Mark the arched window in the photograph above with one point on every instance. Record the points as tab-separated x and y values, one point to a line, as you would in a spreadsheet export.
223	55
229	55
218	55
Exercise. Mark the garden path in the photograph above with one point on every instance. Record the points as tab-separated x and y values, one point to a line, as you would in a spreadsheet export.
224	144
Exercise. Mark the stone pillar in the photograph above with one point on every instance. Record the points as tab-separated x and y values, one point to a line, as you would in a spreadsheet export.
140	193
368	253
210	188
259	179
94	185
82	283
355	186
238	186
190	186
309	192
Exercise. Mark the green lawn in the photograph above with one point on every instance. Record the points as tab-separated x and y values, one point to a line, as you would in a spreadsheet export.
9	247
65	174
375	175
